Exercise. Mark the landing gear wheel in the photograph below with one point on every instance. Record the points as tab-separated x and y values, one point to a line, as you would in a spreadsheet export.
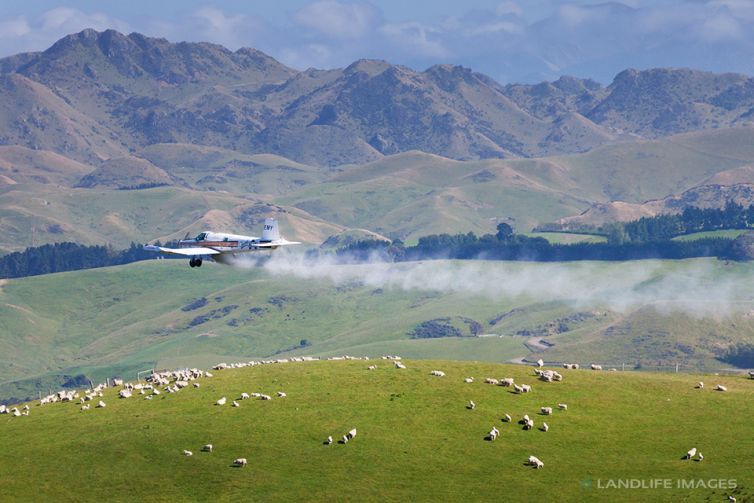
198	262
192	262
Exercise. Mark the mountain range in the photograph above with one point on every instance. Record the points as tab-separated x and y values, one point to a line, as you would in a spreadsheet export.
94	95
111	138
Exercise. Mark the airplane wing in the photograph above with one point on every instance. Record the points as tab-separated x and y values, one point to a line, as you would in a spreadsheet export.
189	252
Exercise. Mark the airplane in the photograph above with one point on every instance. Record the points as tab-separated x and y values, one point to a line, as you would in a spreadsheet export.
222	246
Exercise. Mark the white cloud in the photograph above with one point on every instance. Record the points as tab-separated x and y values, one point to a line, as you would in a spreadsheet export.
417	38
307	56
337	19
507	8
17	27
233	31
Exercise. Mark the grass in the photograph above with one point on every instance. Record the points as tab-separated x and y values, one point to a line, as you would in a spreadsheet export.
120	320
725	233
567	238
416	440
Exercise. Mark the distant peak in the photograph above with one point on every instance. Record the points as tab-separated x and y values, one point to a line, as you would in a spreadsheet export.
369	66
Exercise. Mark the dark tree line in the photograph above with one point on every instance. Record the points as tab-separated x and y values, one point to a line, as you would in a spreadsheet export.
693	219
60	257
519	247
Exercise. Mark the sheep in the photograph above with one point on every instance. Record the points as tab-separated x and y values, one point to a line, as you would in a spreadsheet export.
239	462
399	365
507	418
562	406
349	436
148	397
524	419
207	448
468	380
265	397
535	462
438	373
720	387
236	404
281	394
529	424
546	410
244	396
526	388
700	385
751	374
508	381
732	499
596	367
701	457
471	405
124	393
26	407
493	433
101	405
545	427
196	384
187	453
15	412
490	380
371	367
221	401
329	440
540	363
691	453
518	389
85	407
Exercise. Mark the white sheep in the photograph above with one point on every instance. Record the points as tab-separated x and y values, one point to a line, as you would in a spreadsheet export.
399	365
540	363
371	367
596	367
545	427
124	393
85	407
563	406
265	397
281	394
196	384
329	440
507	382
691	453
490	380
700	385
494	432
546	410
239	462
526	388
720	387
187	453
438	373
471	405
529	424
507	418
468	380
101	405
349	436
221	401
535	462
518	389
701	457
207	448
235	404
244	396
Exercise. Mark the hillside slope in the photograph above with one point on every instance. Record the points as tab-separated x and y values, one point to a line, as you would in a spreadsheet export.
163	313
415	438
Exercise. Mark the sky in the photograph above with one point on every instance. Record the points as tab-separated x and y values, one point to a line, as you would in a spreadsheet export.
523	41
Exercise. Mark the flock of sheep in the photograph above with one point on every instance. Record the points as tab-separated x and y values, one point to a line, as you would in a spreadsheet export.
174	381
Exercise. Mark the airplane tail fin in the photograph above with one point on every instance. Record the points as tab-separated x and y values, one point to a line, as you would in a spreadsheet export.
270	232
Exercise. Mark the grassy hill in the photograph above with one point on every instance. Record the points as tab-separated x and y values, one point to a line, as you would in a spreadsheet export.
416	440
117	321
